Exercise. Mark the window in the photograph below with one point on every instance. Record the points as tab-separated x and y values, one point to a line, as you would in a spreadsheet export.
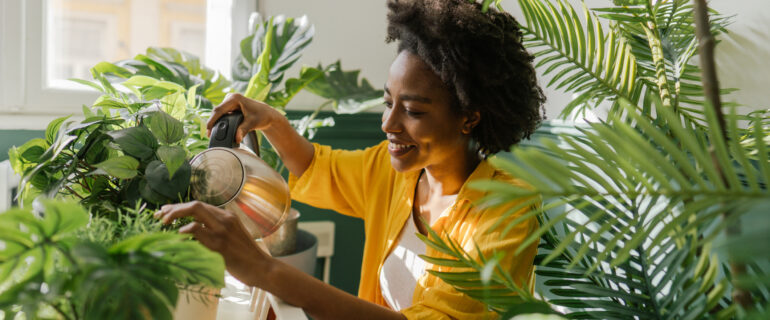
45	42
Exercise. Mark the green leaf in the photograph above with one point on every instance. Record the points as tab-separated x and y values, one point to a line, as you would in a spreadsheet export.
106	67
123	167
259	85
189	261
122	285
173	157
167	129
175	105
53	129
29	152
138	141
293	86
91	84
289	37
343	87
173	188
30	244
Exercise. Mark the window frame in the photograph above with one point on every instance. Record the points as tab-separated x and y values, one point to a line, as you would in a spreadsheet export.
26	99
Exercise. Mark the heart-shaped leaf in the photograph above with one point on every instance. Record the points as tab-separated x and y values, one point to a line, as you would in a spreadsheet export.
167	129
136	141
158	179
123	167
173	157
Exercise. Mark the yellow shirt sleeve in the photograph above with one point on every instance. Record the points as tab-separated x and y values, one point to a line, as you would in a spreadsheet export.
340	180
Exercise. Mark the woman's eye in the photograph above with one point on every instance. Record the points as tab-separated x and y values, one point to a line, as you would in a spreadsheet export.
413	113
388	104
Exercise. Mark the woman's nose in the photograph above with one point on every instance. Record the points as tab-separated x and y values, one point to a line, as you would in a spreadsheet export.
390	120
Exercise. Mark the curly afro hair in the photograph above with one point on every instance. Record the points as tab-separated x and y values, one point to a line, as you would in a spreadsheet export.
480	57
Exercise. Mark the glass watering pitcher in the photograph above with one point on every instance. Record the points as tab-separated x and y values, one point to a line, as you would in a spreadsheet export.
236	179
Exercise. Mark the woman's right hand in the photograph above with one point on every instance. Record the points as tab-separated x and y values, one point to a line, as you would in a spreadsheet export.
295	151
256	115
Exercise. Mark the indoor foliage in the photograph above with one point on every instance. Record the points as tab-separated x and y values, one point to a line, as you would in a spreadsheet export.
641	213
129	156
57	264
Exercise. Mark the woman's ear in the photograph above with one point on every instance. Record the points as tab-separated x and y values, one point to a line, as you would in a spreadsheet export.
471	120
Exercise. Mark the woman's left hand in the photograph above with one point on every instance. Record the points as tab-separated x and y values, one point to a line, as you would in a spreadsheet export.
221	231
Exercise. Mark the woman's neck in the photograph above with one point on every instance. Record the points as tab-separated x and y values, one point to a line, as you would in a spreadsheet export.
448	177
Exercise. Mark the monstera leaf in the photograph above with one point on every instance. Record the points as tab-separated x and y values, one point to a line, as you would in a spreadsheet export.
51	259
32	249
214	86
159	72
343	87
147	269
290	36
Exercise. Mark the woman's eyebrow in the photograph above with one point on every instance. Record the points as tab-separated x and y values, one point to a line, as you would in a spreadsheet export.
409	97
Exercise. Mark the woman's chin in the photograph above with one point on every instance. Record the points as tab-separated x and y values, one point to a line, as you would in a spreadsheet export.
403	166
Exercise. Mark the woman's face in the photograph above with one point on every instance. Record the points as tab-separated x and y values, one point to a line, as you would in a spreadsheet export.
418	121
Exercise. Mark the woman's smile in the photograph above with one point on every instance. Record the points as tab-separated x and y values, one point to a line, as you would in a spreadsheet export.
399	149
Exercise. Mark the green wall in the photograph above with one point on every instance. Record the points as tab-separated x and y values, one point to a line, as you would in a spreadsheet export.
10	138
350	132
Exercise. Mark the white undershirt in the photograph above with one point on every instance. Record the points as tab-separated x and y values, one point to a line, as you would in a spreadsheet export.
402	268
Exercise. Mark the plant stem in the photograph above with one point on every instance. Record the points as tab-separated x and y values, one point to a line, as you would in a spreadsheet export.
656	50
74	193
74	310
60	311
711	90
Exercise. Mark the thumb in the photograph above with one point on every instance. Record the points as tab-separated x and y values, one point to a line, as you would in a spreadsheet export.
239	134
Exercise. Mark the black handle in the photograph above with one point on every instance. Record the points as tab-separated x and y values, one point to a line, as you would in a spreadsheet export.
223	133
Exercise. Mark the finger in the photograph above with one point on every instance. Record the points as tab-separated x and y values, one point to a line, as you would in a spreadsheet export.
239	134
199	232
230	104
201	212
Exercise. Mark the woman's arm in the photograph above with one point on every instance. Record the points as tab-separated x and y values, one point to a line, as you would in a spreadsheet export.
295	151
222	232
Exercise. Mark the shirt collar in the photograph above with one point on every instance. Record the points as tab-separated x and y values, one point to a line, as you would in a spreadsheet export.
484	171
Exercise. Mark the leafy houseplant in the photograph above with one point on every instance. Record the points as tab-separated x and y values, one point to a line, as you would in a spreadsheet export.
128	157
60	265
641	214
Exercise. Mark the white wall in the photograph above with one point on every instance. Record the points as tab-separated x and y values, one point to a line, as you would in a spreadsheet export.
354	31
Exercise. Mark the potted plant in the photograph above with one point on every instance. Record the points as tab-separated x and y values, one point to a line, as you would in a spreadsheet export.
641	214
129	156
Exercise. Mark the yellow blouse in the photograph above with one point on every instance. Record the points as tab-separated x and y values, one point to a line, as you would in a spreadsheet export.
363	184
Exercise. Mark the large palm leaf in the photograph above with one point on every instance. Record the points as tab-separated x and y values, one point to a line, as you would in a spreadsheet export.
585	59
663	41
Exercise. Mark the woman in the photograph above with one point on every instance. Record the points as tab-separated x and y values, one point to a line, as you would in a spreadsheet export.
462	87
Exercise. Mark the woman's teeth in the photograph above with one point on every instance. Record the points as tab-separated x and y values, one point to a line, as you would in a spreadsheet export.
396	146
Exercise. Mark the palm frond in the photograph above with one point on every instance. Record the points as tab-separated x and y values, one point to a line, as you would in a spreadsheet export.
618	169
594	64
481	279
674	34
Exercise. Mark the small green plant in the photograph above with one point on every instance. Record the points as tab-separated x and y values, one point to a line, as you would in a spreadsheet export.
53	264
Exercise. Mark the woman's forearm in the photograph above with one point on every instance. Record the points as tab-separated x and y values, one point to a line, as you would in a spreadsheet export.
293	149
319	299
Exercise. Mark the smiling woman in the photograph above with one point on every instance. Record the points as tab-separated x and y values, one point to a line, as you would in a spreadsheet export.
461	88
